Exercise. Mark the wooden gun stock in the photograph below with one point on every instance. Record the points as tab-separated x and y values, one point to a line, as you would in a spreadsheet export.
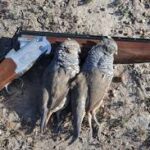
7	72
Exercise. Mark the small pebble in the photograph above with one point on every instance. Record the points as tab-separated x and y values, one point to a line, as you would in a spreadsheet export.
102	9
30	140
1	132
147	6
120	31
89	11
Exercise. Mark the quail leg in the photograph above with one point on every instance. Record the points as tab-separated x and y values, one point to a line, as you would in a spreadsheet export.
43	124
100	126
59	107
44	109
90	125
95	118
48	117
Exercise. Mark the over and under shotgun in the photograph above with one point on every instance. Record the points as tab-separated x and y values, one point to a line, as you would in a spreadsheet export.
131	50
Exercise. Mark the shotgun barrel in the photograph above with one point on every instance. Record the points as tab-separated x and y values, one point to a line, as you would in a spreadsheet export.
131	50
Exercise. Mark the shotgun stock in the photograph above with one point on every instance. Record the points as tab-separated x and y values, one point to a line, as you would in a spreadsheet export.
7	72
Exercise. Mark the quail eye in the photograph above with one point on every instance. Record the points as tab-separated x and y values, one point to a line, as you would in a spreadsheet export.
67	50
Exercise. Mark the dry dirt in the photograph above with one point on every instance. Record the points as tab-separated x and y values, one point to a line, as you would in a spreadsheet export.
126	112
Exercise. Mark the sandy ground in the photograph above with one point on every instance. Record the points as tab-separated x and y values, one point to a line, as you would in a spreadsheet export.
126	112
